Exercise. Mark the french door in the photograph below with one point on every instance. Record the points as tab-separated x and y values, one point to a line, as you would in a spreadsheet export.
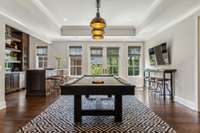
104	61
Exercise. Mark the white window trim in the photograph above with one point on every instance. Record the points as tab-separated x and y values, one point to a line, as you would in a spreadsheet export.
36	57
69	62
141	66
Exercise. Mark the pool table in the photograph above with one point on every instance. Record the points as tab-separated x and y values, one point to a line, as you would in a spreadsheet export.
97	85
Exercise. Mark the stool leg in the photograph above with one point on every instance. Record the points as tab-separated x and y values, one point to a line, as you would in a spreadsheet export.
164	91
171	85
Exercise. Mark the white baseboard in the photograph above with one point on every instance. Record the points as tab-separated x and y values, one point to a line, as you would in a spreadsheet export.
2	105
186	103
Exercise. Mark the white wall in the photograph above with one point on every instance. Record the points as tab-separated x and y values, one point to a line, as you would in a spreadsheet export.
181	39
34	42
198	64
2	71
61	49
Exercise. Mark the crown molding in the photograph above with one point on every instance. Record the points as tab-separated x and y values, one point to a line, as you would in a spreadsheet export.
106	38
14	22
103	41
174	22
44	10
150	13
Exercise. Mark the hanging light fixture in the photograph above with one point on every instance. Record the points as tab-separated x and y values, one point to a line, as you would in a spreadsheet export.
98	24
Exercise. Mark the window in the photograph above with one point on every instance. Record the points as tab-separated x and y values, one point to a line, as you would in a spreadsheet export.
134	61
75	60
113	61
42	57
96	61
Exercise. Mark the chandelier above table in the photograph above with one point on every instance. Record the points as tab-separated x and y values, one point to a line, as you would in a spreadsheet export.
98	25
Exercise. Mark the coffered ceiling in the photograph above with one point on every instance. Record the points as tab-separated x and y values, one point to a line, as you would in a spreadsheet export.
44	18
115	12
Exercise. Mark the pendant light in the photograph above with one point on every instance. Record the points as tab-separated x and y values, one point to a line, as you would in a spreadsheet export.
98	24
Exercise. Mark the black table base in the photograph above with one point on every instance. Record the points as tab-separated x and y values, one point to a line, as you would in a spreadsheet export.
83	86
78	112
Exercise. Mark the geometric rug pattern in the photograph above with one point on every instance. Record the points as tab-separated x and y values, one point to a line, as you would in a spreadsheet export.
58	118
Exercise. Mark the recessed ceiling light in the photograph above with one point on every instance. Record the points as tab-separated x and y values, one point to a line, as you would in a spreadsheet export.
65	19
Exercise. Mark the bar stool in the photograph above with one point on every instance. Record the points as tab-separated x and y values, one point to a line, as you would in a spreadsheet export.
160	88
152	83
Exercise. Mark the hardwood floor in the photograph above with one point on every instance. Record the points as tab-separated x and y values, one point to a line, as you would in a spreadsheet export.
21	110
182	119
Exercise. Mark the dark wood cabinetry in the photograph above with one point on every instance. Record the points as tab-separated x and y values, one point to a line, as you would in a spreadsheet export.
17	58
35	82
43	82
38	83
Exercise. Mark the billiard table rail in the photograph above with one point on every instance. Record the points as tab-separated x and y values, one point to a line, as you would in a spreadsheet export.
119	79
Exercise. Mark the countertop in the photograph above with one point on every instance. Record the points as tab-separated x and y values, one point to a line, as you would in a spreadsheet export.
15	72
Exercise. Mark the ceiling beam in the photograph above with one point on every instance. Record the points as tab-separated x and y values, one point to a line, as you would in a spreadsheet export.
109	31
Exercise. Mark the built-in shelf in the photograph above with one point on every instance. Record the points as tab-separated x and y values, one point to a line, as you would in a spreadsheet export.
14	39
16	59
13	61
13	50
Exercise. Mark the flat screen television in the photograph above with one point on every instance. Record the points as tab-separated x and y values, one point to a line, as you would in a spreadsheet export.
159	55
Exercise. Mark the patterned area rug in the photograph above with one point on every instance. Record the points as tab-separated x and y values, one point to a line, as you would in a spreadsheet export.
58	118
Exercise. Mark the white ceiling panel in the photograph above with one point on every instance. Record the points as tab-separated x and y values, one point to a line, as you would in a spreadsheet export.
115	12
45	18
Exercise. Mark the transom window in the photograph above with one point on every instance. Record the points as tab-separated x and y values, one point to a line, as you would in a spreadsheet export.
134	54
75	60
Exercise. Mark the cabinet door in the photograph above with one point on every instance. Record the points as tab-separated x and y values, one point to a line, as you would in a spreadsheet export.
7	82
11	81
22	80
16	80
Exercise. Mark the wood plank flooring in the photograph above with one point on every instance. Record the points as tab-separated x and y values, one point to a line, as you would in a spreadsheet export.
21	110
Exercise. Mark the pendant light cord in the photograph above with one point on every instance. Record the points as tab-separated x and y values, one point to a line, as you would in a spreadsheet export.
98	4
98	7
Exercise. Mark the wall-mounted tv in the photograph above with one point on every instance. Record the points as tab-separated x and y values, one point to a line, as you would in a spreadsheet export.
159	55
152	56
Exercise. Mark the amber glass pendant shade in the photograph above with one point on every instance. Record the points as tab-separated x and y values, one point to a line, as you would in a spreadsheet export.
98	32
97	37
98	24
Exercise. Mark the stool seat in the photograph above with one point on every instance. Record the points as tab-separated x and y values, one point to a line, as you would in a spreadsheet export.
161	79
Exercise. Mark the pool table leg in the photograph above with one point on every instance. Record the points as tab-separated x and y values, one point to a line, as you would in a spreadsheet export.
77	108
118	108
